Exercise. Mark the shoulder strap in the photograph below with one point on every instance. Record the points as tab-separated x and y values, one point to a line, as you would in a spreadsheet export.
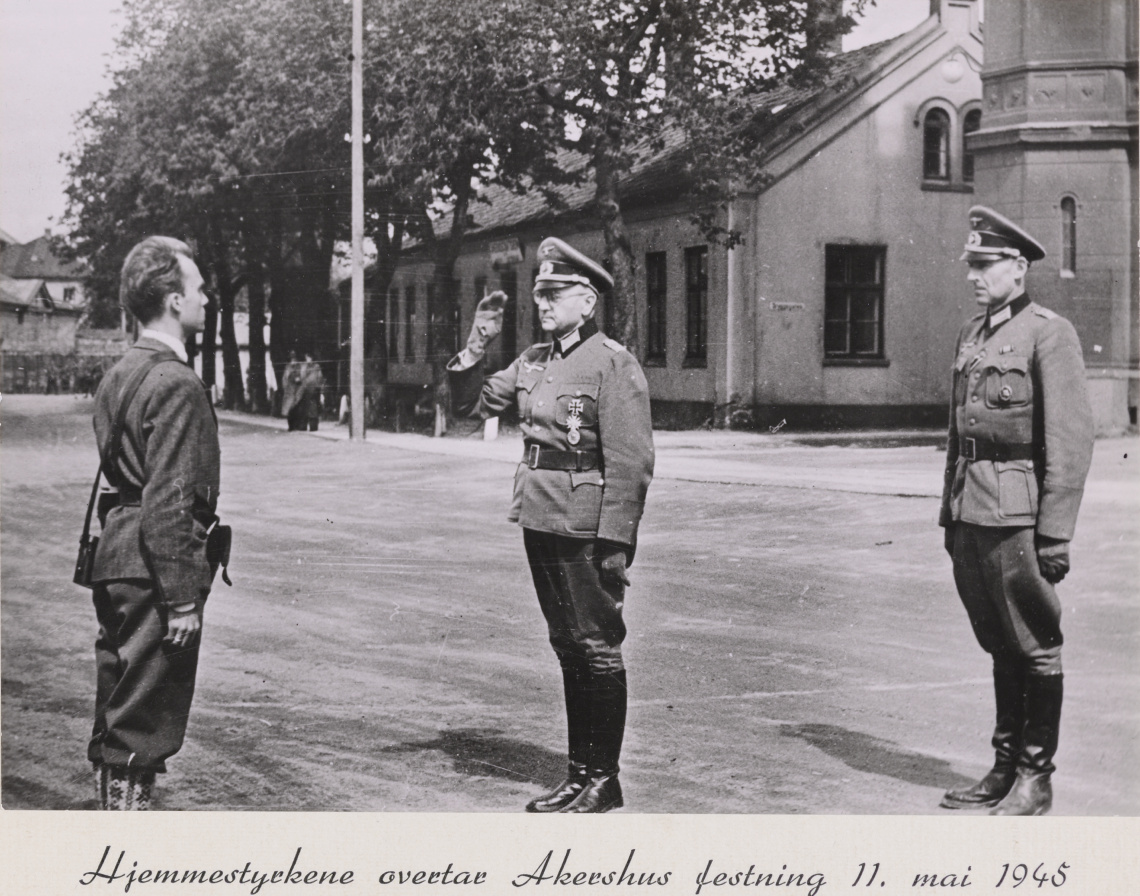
105	460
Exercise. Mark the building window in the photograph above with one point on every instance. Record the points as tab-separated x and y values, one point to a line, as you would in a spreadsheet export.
971	122
69	294
20	315
936	145
655	307
696	306
393	330
853	302
410	323
1068	236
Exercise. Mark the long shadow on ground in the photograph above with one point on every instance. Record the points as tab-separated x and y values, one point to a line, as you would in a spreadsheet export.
865	753
481	752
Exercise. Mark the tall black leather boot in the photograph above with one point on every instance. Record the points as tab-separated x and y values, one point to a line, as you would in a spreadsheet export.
608	699
1009	697
1032	792
575	674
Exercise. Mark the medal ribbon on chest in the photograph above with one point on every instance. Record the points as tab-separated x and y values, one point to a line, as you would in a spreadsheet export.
574	421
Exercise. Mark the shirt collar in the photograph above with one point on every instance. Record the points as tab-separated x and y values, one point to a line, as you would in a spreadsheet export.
173	344
571	341
1006	311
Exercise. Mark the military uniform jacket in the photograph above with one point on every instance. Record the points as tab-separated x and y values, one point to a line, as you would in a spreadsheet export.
1019	382
167	473
598	390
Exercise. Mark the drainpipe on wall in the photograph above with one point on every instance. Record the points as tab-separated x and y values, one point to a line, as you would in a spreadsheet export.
731	396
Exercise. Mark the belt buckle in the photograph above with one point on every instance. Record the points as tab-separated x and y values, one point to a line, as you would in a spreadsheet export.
532	457
970	447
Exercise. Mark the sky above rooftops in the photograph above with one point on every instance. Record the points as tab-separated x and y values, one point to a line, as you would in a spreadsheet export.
53	54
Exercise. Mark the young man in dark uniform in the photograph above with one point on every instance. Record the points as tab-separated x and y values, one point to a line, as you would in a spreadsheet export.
1021	440
583	405
151	574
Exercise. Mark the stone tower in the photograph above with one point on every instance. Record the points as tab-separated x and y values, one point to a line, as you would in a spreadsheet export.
1057	151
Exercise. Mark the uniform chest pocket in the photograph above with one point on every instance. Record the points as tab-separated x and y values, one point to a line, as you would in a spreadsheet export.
577	401
1007	382
527	379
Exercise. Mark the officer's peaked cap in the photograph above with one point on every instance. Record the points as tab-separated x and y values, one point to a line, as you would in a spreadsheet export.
560	265
993	236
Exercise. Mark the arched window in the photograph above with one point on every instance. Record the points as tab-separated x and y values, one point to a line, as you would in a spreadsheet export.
970	123
936	145
1068	235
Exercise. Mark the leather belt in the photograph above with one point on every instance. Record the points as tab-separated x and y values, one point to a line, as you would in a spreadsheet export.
539	458
973	449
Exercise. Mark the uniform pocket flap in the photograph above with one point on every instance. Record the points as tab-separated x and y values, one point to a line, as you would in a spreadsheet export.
526	380
1009	364
579	390
578	401
585	477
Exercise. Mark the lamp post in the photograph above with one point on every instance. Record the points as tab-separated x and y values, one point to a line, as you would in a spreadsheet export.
356	340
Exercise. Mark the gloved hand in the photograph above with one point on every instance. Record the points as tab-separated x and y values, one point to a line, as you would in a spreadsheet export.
1052	558
613	564
948	539
488	323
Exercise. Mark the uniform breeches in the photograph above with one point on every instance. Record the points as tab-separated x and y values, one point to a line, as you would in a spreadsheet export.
583	612
144	685
1014	612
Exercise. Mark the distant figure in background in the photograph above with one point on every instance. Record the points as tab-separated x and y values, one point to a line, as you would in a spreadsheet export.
291	391
301	393
1020	446
312	392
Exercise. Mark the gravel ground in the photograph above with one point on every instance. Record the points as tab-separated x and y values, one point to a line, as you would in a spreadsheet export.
796	645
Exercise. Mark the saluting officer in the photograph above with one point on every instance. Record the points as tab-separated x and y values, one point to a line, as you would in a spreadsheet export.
583	406
1021	440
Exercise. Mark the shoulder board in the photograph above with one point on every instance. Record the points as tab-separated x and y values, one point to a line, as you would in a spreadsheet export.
1044	312
613	345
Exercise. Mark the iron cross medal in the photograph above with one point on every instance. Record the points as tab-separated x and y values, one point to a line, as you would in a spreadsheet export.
574	421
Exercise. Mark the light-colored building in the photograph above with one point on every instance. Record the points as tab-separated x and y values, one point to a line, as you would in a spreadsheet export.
841	305
41	307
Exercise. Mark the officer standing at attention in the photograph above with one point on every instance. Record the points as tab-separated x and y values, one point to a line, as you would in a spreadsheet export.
1021	441
152	573
583	406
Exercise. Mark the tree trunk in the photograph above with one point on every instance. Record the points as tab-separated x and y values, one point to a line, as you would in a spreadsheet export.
444	317
255	257
228	286
623	313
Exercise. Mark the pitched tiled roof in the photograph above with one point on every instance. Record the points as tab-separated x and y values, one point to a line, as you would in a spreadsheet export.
36	259
27	293
652	174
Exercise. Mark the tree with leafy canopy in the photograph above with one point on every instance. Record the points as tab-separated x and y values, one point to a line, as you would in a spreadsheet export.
151	159
628	74
453	102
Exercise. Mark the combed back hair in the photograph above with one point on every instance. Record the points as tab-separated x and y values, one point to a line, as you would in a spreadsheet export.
150	273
